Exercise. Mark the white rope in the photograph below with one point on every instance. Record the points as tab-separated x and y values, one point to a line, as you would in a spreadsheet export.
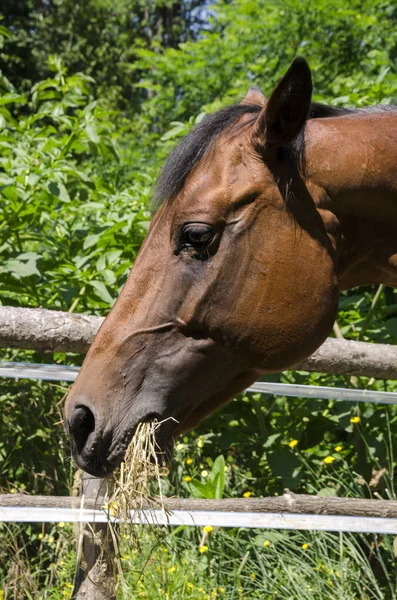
199	518
16	370
67	373
323	392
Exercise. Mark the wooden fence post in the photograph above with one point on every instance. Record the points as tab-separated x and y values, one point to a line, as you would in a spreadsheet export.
95	576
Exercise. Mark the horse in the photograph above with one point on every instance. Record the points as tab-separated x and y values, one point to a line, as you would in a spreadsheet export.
265	212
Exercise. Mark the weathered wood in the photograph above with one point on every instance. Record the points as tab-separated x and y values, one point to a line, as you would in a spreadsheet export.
338	356
95	577
288	503
46	330
55	331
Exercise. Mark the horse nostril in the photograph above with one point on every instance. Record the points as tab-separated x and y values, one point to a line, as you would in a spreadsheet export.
82	424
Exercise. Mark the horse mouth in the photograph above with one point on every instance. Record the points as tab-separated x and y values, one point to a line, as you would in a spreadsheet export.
162	442
102	459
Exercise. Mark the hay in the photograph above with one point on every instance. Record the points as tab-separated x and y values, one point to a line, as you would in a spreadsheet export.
142	466
130	490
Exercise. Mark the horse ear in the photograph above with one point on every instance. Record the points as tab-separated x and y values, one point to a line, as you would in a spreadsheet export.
288	107
254	96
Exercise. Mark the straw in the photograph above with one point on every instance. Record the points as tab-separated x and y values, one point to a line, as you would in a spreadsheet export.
141	466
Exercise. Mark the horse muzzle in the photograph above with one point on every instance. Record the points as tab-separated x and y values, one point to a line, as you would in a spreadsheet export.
99	445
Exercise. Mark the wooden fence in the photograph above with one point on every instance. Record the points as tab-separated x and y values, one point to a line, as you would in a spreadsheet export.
50	331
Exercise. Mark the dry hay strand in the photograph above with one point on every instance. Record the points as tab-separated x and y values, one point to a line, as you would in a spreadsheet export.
141	467
129	491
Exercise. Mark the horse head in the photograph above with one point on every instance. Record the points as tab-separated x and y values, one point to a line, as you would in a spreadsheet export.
235	278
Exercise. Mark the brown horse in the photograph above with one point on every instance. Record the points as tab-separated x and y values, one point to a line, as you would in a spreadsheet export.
267	210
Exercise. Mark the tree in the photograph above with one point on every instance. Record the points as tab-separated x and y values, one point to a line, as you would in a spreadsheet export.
97	37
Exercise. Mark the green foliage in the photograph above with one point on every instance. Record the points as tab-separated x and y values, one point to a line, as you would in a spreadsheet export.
64	228
351	49
98	37
214	483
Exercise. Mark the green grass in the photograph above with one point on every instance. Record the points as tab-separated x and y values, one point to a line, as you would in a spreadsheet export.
259	564
167	564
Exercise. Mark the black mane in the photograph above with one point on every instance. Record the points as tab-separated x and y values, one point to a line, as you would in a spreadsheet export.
192	148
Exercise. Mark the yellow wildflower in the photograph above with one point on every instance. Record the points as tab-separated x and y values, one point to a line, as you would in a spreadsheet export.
208	528
61	524
338	448
189	585
187	478
172	569
247	494
355	420
51	540
200	442
203	549
222	590
112	508
305	546
266	543
293	443
328	460
189	461
204	473
40	536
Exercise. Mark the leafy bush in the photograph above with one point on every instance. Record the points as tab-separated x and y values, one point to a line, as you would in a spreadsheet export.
64	230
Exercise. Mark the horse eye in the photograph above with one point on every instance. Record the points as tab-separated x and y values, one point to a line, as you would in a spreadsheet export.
197	235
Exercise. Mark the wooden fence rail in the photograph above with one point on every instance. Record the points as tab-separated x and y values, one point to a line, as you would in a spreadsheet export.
55	331
290	511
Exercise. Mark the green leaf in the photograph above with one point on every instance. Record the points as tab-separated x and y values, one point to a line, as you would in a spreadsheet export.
4	31
12	99
91	132
91	240
218	476
19	268
271	439
57	188
391	326
176	131
102	291
109	276
203	490
315	432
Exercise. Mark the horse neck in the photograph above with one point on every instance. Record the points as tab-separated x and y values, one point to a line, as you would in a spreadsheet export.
351	173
